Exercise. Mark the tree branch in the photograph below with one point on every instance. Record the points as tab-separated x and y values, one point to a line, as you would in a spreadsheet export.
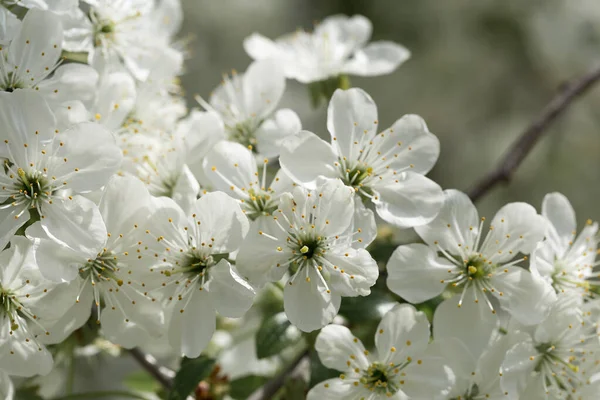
162	374
525	143
268	390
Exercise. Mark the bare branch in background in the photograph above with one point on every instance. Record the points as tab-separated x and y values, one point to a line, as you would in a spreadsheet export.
162	374
524	144
268	390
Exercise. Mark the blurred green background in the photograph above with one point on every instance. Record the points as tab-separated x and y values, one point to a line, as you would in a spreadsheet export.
480	72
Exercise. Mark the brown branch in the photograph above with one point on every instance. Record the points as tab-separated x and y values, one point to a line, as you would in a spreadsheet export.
525	143
268	390
162	374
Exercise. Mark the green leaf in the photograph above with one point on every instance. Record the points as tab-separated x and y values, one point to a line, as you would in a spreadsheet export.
141	381
275	334
28	393
191	372
370	308
241	388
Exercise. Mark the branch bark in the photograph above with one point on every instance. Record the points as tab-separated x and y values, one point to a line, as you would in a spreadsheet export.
162	374
528	139
268	390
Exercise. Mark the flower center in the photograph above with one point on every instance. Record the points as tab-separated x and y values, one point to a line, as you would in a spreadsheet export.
356	175
193	263
32	187
244	133
260	203
378	378
9	306
310	247
477	268
103	31
103	268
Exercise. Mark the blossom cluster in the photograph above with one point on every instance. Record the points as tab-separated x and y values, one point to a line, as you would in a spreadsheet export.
122	207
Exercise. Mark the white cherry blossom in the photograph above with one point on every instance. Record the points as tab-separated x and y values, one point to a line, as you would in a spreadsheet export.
458	254
310	235
567	260
248	102
551	358
338	46
32	61
232	168
403	367
124	32
170	164
30	306
45	170
108	271
192	273
387	168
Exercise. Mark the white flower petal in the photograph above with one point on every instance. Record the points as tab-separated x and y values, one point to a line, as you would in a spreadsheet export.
490	363
273	131
222	222
230	164
22	114
231	295
260	253
191	330
415	273
259	47
377	58
403	332
457	223
363	225
516	227
360	272
186	189
352	31
304	157
307	303
451	321
37	46
115	99
75	223
11	219
70	82
409	200
519	363
20	355
415	147
263	85
351	120
337	389
91	155
124	203
57	262
525	296
337	346
559	212
429	379
200	132
334	205
134	319
75	316
455	354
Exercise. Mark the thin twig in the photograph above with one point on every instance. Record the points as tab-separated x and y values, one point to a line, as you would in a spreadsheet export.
162	374
268	390
525	143
108	394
